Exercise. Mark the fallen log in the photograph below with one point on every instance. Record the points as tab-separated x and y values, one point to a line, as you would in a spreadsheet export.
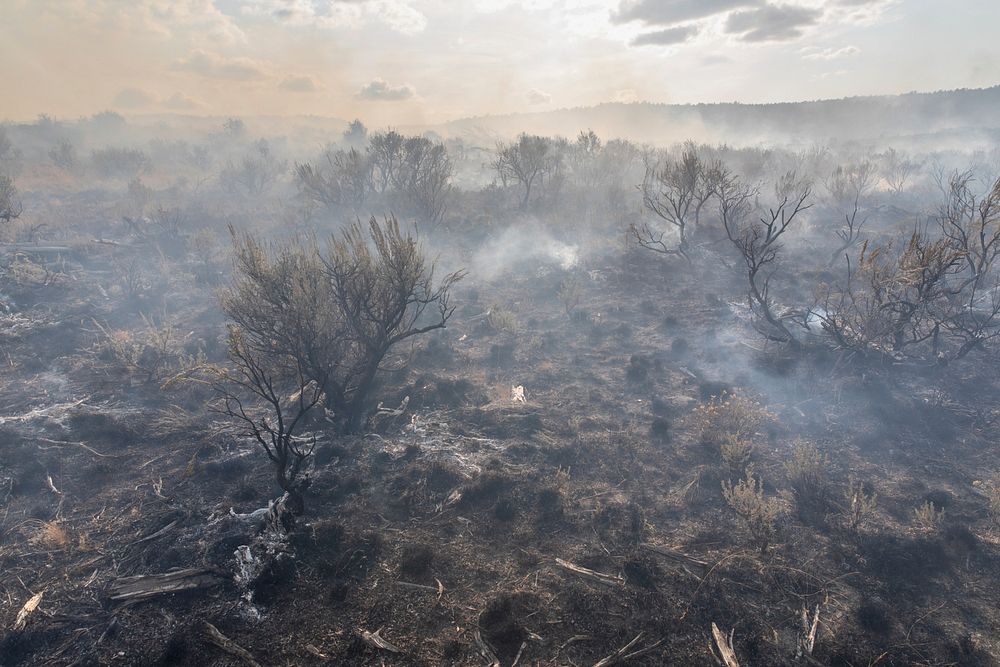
146	586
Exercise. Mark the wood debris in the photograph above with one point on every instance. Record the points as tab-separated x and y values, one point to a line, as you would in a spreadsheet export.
375	640
685	561
625	653
598	577
228	645
723	648
486	650
143	587
807	635
31	605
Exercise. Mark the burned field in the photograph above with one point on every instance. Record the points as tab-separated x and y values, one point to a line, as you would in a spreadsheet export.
608	454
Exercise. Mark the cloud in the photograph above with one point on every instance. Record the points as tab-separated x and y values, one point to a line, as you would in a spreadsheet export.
666	37
671	12
379	90
214	66
772	22
132	98
298	84
831	54
398	15
535	97
181	102
716	59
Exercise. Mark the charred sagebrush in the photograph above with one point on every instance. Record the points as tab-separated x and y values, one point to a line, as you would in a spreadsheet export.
934	300
345	180
338	313
676	191
759	244
10	201
268	395
531	164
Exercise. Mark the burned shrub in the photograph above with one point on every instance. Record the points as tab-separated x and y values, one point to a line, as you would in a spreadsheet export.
874	617
10	203
620	525
550	504
338	315
501	627
119	162
638	369
416	560
659	430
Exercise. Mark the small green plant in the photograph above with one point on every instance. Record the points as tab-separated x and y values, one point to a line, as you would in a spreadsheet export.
758	512
860	506
928	517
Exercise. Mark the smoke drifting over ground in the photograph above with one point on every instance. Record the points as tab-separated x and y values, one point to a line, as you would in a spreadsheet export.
525	245
309	391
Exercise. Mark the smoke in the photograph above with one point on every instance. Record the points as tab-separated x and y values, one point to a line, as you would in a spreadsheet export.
524	244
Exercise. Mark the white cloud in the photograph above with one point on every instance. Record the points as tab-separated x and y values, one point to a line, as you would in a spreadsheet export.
214	66
399	15
181	102
830	54
298	84
772	22
536	97
666	37
133	98
379	90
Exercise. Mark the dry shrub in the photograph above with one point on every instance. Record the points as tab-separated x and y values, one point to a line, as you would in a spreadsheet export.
807	471
151	354
993	494
51	535
730	415
501	319
860	506
736	453
758	512
928	517
569	294
731	422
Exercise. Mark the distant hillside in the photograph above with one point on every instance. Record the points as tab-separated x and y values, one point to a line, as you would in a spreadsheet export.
956	114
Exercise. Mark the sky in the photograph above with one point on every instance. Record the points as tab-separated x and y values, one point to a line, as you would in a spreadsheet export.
430	61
